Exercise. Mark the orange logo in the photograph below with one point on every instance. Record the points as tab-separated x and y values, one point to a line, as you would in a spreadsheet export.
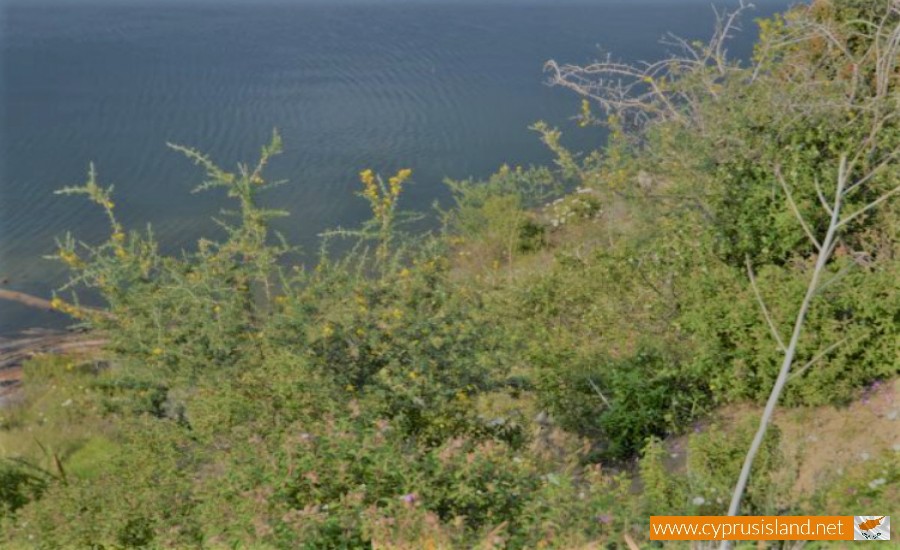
870	524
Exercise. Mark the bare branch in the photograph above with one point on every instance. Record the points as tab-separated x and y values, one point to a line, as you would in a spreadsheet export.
597	390
870	206
821	195
799	372
789	352
725	24
873	172
795	210
835	278
762	306
634	91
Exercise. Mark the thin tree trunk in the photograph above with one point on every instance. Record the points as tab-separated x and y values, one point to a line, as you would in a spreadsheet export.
825	252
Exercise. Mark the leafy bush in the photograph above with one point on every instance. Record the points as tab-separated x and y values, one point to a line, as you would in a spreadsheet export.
621	402
141	498
714	461
19	485
497	213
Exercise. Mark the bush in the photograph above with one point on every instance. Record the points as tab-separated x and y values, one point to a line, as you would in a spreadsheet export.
622	402
19	485
497	213
715	457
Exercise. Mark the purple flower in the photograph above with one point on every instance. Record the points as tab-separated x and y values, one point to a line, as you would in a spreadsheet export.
604	518
410	498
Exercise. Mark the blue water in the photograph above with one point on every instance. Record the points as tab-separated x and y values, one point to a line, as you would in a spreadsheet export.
447	88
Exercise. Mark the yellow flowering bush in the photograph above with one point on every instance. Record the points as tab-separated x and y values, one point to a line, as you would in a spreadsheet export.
382	200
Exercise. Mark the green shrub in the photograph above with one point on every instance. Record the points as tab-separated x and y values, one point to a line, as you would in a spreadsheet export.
664	492
497	213
19	485
486	483
715	457
621	402
142	498
850	332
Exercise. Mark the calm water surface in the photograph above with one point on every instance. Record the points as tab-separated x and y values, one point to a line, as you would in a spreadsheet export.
446	88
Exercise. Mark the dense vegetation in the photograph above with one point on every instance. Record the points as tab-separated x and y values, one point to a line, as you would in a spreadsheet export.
494	382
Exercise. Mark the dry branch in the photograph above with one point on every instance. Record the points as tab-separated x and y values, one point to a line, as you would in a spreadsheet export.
41	303
26	299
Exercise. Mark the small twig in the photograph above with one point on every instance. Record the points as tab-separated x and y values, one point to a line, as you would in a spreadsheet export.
596	389
835	278
762	305
796	211
821	196
815	359
870	206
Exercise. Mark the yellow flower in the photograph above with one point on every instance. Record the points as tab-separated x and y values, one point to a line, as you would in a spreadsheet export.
328	330
118	236
585	113
157	351
404	273
121	253
395	186
217	308
61	305
70	258
396	182
367	176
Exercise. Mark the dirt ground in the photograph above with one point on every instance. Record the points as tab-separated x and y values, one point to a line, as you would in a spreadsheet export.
819	442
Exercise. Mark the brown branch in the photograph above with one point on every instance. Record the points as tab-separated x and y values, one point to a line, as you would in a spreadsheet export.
41	303
27	299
